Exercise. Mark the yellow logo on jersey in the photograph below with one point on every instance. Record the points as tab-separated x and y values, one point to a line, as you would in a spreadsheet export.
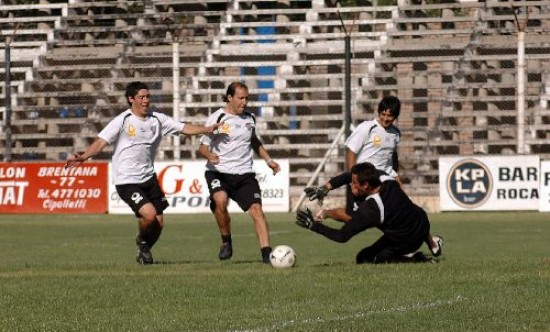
131	131
376	141
224	128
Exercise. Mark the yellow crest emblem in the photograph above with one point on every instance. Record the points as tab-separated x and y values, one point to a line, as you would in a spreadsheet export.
225	128
131	131
376	140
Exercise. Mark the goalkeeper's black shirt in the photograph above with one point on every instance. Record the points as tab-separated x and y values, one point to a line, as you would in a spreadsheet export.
389	210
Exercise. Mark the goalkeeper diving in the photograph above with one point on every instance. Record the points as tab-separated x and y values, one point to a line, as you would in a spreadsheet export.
382	204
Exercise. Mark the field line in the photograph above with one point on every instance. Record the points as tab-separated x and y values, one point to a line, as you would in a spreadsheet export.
414	306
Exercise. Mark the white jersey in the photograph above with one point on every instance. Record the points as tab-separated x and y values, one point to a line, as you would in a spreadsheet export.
135	142
232	142
374	144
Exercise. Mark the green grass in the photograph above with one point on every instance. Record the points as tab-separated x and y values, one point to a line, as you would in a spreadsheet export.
77	273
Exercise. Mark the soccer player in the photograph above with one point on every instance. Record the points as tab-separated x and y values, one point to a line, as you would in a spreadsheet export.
383	205
135	135
229	171
376	141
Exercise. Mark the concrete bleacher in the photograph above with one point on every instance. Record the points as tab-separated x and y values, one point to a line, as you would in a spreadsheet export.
453	65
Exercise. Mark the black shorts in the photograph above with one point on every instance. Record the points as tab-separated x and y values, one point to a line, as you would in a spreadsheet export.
137	195
242	188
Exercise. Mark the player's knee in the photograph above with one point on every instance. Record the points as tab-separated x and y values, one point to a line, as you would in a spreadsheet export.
148	213
255	208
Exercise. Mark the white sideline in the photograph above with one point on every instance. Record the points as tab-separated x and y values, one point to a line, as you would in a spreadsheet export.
414	306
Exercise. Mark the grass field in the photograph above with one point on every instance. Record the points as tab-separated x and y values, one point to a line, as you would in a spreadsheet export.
77	273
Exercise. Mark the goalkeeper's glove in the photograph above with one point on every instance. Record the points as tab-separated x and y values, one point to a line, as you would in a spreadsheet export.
305	219
314	193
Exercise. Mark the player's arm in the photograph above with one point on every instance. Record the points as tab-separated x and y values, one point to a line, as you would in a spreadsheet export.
338	214
356	225
204	151
319	193
94	149
340	180
192	129
259	148
351	158
395	165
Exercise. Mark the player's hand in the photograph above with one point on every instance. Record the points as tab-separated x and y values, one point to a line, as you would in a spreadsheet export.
214	129
276	168
314	193
214	159
74	160
305	219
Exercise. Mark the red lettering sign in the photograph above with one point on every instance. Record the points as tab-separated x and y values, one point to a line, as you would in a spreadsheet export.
50	188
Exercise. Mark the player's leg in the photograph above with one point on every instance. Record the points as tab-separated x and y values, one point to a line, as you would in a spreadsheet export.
406	250
148	233
248	195
372	253
144	210
262	230
155	218
389	250
219	200
148	202
150	224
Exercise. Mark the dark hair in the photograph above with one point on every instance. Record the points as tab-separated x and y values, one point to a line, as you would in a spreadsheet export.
366	172
390	103
232	88
133	88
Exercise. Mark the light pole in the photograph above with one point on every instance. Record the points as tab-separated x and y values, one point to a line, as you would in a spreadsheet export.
7	94
347	82
522	148
175	34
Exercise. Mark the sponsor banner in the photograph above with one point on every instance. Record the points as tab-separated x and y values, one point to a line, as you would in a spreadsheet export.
544	205
50	188
185	187
489	183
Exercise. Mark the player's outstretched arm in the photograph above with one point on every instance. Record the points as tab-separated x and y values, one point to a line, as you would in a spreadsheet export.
78	158
192	129
338	214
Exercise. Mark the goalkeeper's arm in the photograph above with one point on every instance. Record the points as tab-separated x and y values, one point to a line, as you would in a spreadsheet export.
319	193
339	180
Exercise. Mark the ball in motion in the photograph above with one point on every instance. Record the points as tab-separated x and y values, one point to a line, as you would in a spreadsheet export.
282	256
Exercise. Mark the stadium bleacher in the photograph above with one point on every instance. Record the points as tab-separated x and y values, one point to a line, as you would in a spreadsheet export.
452	64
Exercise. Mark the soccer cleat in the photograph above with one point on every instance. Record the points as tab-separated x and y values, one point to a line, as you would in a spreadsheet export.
436	251
144	255
226	251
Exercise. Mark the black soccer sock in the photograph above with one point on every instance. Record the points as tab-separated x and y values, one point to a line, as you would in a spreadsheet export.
266	251
226	238
153	235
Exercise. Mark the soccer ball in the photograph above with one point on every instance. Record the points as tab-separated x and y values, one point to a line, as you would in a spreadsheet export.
282	256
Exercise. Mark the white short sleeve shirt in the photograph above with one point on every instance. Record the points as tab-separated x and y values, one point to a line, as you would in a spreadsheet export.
232	142
373	143
135	142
